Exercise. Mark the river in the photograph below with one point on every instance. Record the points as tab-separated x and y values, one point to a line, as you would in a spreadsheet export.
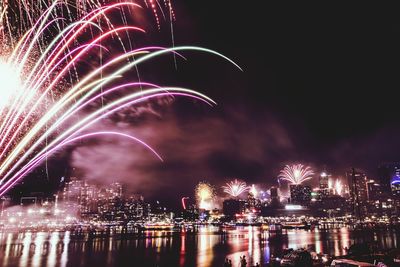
207	247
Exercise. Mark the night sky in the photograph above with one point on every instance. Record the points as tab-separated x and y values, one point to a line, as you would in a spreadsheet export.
318	87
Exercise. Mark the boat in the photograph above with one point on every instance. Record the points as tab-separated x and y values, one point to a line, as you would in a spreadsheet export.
229	225
158	226
295	225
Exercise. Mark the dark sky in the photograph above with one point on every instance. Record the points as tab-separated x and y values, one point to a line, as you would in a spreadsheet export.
319	87
333	70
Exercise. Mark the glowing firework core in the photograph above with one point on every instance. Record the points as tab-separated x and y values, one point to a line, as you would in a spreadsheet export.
10	83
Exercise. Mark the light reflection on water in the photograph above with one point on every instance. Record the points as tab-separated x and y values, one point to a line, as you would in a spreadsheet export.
208	247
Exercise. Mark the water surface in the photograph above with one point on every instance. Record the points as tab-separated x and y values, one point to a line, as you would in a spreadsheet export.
206	247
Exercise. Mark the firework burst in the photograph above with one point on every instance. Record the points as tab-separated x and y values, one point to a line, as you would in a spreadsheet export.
204	195
50	99
235	188
19	15
296	174
338	187
253	190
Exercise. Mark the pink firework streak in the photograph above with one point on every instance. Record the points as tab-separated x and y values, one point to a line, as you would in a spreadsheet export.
45	92
296	174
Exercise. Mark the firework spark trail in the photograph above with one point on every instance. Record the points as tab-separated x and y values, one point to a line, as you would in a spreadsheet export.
90	16
25	130
235	188
100	11
49	88
28	13
38	101
34	163
123	69
296	174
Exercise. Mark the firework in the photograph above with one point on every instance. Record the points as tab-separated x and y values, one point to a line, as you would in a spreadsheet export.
184	202
296	174
19	15
235	188
330	184
204	195
253	190
338	187
49	102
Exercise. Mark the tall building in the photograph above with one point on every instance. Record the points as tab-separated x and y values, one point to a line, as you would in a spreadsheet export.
300	194
275	200
114	191
374	190
72	190
358	191
81	195
324	180
231	207
395	185
324	189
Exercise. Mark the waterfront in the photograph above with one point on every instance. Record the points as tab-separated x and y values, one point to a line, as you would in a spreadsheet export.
206	247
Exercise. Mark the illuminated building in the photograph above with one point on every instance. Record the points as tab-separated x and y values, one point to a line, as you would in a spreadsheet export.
358	191
386	175
79	194
324	182
300	194
275	200
395	185
114	191
389	177
72	190
374	190
191	213
87	199
253	203
231	207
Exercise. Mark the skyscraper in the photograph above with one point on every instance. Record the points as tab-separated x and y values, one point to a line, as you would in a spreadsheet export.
274	195
324	189
374	190
324	180
358	191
